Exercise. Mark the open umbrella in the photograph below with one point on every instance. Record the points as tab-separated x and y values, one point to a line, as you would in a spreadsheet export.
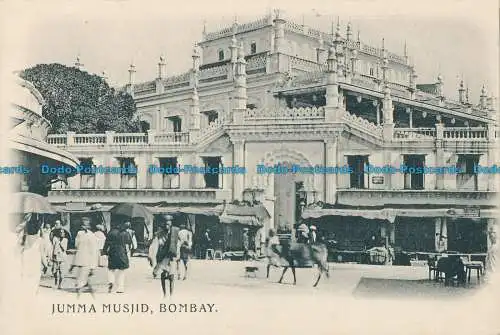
132	211
26	202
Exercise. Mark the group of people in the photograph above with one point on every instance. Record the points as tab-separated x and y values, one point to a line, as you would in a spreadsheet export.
93	249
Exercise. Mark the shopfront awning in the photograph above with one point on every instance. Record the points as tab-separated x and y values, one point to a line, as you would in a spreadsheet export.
390	214
197	210
43	150
69	208
383	214
241	219
258	211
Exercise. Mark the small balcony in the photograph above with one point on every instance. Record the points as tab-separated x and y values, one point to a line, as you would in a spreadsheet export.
144	196
414	197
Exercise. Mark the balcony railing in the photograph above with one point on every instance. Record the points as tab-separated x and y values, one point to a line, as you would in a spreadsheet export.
286	114
112	138
461	133
412	134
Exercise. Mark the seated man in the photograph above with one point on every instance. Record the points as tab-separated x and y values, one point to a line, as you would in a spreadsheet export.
451	266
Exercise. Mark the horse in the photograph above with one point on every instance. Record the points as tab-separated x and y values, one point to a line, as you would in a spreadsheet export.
289	255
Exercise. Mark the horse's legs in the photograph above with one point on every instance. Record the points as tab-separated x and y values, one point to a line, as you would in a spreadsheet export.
294	278
163	277
283	274
172	278
320	271
185	269
268	268
178	272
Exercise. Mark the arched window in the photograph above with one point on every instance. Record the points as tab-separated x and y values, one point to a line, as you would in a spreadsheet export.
253	48
221	55
372	72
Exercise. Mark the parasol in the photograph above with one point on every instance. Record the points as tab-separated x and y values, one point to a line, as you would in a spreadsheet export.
26	202
132	211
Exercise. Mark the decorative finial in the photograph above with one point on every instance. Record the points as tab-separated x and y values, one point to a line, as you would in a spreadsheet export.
440	78
359	40
162	59
383	43
337	33
349	30
483	91
204	27
78	63
277	13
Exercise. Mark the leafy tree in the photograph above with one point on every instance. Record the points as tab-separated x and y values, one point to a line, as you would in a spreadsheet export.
81	102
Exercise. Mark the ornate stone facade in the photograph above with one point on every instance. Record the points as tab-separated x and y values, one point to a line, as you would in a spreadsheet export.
268	92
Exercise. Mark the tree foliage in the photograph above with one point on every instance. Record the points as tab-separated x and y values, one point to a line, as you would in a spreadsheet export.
81	102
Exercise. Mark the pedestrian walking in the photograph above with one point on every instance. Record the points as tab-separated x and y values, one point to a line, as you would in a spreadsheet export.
133	246
31	253
59	248
117	248
246	244
101	240
207	243
86	256
184	249
46	246
163	253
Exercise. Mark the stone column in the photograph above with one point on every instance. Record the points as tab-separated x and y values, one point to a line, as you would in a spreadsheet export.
156	177
141	166
197	179
492	160
330	178
114	178
184	178
332	110
388	176
227	181
240	89
238	160
392	233
437	232
100	178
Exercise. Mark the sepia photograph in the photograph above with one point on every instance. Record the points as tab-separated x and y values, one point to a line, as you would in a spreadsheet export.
273	167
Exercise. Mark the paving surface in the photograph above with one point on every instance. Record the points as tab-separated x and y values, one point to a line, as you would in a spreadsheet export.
356	299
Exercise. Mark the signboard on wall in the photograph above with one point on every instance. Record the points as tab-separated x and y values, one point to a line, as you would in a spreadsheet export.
472	212
377	180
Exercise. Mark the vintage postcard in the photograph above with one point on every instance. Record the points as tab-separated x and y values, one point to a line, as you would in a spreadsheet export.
250	167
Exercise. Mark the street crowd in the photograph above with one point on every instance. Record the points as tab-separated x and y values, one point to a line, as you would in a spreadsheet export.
170	247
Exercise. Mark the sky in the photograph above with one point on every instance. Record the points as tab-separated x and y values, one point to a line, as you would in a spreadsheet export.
456	38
